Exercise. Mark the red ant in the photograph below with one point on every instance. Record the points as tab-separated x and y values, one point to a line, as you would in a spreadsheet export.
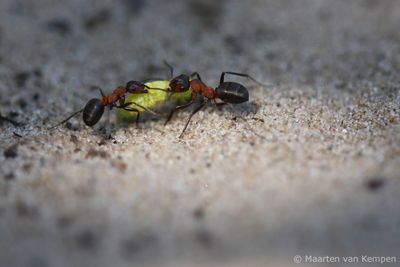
94	108
228	92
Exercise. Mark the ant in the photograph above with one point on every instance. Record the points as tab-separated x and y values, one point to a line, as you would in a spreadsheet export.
228	92
94	108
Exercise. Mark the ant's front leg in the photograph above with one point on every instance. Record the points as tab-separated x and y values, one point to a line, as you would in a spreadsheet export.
153	88
121	102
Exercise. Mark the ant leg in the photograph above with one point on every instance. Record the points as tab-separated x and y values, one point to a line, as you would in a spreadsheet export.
65	120
191	115
125	105
107	130
238	74
135	87
137	119
219	104
195	74
153	88
137	114
177	108
171	69
101	91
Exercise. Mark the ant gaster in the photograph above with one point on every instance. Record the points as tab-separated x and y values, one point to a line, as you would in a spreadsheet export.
94	108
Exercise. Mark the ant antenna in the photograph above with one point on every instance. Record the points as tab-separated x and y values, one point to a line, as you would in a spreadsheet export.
171	69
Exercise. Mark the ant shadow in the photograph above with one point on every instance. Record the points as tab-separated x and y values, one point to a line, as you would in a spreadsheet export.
108	130
246	108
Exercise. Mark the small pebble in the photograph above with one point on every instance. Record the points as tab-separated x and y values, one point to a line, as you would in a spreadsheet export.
12	151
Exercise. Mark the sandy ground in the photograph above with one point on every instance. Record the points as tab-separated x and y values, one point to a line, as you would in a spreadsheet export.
313	170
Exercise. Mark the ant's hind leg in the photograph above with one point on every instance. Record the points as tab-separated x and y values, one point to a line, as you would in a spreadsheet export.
238	74
195	75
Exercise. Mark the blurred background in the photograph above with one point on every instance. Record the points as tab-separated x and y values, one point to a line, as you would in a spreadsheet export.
108	42
328	185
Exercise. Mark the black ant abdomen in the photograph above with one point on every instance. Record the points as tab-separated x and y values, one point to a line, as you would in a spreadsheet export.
232	92
93	111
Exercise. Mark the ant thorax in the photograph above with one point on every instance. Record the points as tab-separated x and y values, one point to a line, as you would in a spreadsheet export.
197	86
116	95
209	92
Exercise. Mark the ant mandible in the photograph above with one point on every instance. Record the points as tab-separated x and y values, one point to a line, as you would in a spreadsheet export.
228	92
94	108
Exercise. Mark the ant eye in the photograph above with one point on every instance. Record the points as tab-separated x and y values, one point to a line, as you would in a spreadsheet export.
180	83
130	84
133	86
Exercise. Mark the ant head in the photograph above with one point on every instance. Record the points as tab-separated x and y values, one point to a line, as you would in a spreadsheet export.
93	111
231	92
134	86
180	83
